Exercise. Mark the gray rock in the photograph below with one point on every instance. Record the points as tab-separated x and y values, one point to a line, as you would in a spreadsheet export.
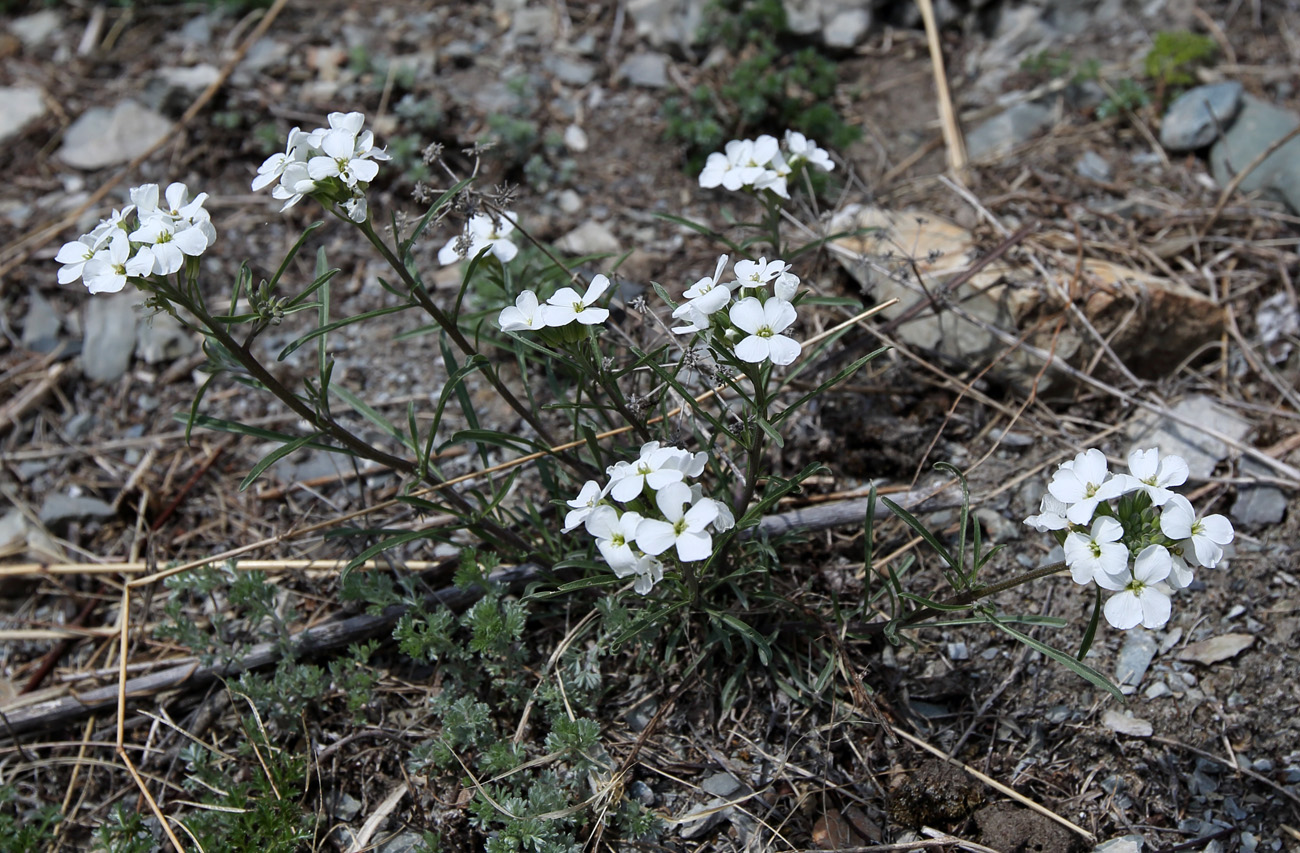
1008	129
722	785
20	105
60	509
1134	658
667	22
13	529
1201	451
958	651
575	72
36	29
1255	504
1196	117
41	325
590	238
264	53
1257	126
569	201
575	139
645	69
533	24
1123	844
847	28
1157	690
642	793
1093	166
162	339
403	842
108	136
196	30
109	336
346	808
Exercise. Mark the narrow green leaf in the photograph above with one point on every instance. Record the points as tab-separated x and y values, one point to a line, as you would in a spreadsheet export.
337	324
366	411
824	386
275	456
1079	668
921	530
388	544
236	428
1090	633
194	406
747	633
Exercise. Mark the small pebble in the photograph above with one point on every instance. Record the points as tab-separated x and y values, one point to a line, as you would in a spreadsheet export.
958	651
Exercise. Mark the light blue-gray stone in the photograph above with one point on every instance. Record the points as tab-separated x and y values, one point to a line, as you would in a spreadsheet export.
58	509
1007	129
1134	658
1123	844
110	336
107	136
1257	126
20	105
1196	117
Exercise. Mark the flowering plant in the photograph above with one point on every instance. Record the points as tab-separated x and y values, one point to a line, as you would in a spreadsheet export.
1130	533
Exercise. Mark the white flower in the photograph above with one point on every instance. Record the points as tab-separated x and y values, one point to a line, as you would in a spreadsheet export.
1180	574
648	570
169	243
707	296
565	305
1208	535
109	228
725	520
743	162
482	232
683	528
654	468
1051	515
343	158
764	321
107	272
357	208
75	255
1097	552
583	505
525	315
1153	475
1138	600
614	534
1084	484
273	167
295	182
804	150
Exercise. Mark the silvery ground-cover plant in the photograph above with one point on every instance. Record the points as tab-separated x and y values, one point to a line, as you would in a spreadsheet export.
654	469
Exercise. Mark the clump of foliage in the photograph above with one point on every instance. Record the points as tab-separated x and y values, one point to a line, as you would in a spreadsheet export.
23	830
1174	56
768	82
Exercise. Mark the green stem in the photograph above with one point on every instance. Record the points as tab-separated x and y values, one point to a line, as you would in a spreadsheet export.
489	531
448	325
963	599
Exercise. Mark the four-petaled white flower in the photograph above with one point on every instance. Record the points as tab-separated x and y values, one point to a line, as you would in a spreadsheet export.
684	528
656	467
615	534
1206	535
1084	484
707	296
482	231
75	255
1097	552
1153	475
583	505
565	305
1137	599
764	321
1051	515
108	271
525	315
802	149
648	570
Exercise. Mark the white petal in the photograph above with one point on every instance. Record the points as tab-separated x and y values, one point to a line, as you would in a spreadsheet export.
1156	608
747	314
1123	610
752	349
654	536
783	350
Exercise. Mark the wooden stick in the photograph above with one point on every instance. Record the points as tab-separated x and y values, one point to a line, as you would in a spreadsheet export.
947	116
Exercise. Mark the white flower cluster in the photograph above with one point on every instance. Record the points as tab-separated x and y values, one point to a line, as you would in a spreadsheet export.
563	308
338	161
763	163
1130	532
157	242
647	509
482	231
762	317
